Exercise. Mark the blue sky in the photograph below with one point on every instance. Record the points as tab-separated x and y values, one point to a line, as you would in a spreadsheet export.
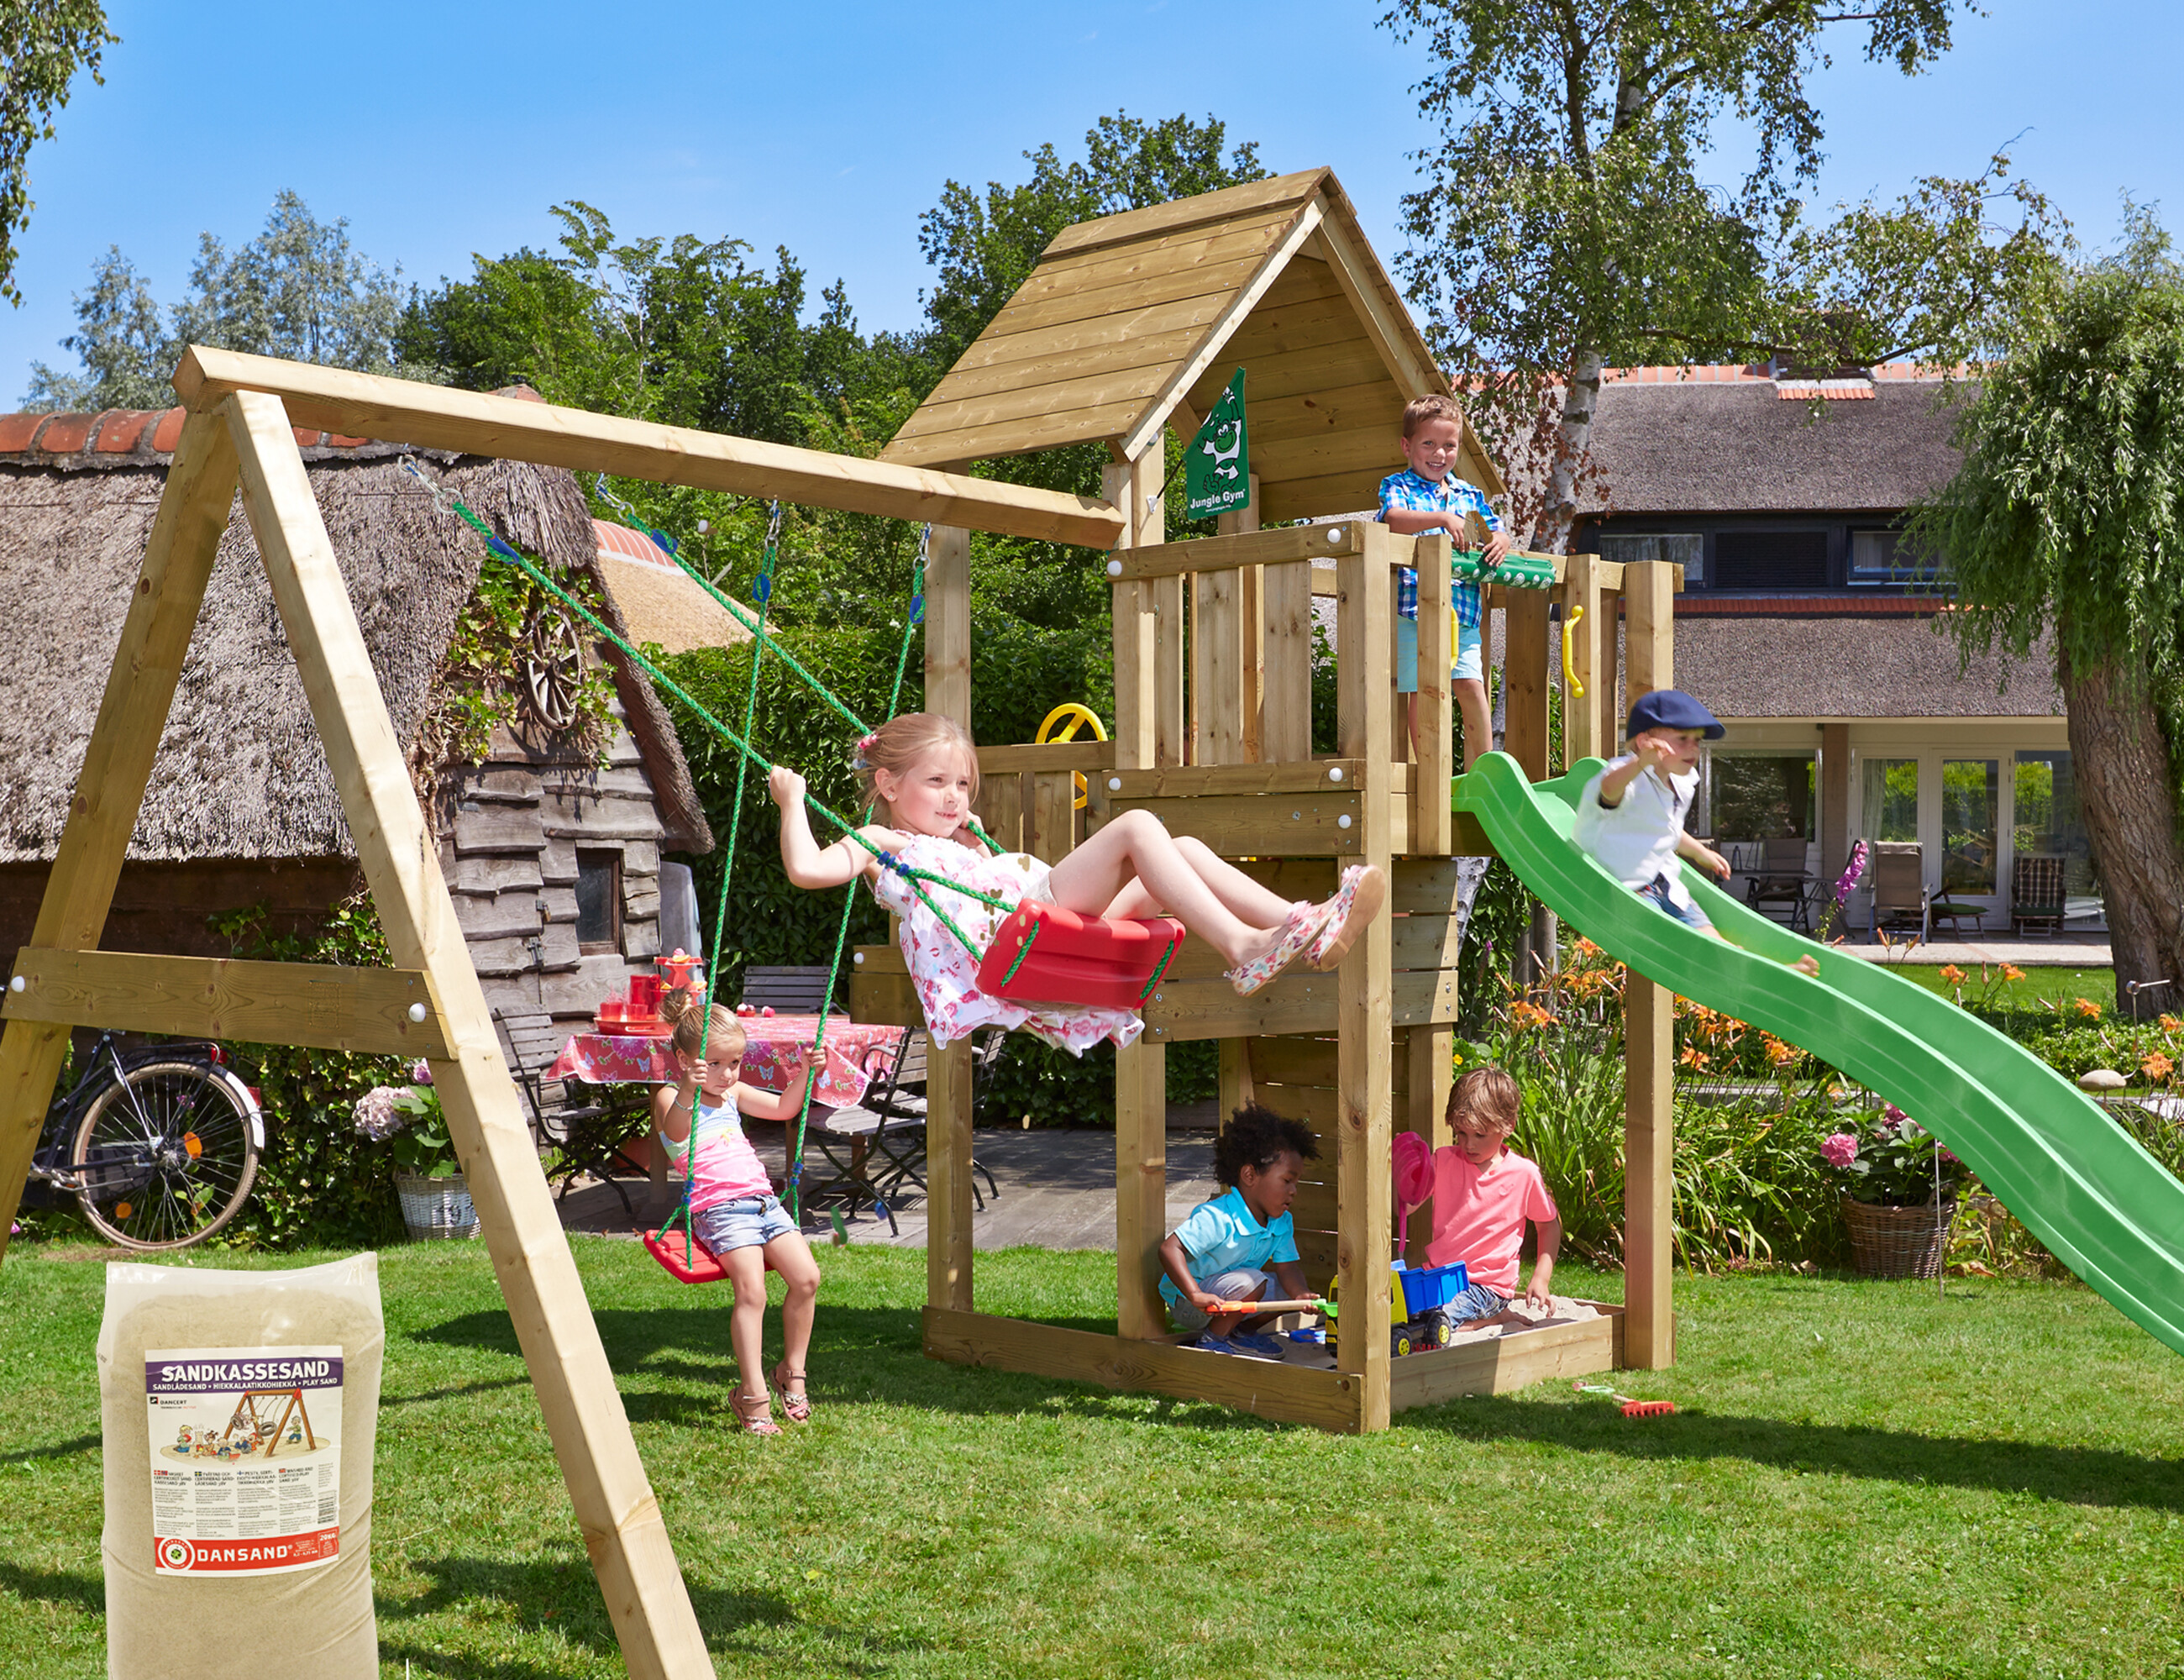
441	133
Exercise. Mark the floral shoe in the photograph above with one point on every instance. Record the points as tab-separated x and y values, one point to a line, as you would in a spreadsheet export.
1354	904
1302	929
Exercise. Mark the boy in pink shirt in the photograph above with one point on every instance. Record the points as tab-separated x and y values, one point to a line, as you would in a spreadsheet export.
1484	1192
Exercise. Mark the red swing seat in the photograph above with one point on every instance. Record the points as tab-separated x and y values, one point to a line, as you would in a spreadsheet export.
1046	954
686	1261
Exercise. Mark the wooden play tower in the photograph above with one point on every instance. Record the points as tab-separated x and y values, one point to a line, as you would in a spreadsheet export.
1130	326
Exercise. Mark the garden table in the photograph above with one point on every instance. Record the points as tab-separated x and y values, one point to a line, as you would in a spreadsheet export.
855	1051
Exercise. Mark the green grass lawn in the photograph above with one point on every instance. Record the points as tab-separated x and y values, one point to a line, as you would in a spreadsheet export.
2041	988
1860	1483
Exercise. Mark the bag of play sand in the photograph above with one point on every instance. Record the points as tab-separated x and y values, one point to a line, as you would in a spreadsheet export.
238	1412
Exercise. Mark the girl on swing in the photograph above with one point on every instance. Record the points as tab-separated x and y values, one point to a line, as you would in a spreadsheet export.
921	772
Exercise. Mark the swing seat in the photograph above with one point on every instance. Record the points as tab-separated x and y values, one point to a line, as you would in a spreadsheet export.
686	1261
1046	954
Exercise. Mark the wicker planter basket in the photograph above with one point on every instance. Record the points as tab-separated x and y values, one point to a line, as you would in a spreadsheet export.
1898	1242
436	1209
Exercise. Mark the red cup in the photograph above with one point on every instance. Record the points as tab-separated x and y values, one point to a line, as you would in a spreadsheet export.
644	996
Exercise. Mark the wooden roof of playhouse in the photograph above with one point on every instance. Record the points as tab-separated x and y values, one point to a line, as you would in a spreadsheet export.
1136	321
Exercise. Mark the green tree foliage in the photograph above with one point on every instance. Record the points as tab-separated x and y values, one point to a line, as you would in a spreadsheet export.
43	43
298	290
2068	516
1566	225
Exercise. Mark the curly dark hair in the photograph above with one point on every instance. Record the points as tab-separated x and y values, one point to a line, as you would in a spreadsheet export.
1257	1137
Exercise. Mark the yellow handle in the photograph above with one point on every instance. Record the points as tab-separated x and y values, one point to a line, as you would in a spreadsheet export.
1072	717
1569	668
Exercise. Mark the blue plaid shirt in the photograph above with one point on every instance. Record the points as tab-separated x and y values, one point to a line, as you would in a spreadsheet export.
1407	490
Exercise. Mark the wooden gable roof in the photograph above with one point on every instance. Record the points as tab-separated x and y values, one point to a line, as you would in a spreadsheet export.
1136	322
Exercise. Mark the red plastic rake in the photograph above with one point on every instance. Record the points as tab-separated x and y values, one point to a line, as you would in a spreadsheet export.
1630	1408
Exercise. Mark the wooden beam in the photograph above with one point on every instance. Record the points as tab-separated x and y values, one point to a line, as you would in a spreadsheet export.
1649	1140
615	1507
1135	639
117	762
1034	758
1315	776
1365	700
1146	433
1430	1054
1612	711
1289	1394
1251	603
1148	506
949	1199
1515	1360
1524	680
363	1010
1140	1186
1429	824
441	417
1583	625
1203	555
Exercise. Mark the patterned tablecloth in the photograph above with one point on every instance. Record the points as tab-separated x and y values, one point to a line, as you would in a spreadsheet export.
856	1053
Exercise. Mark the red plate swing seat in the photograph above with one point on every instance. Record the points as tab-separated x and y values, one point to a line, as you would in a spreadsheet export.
1043	953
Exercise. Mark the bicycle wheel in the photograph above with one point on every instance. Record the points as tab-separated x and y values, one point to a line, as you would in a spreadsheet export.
165	1157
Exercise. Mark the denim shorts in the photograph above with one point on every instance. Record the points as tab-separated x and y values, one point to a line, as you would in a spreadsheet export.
1470	655
1656	893
1479	1301
1227	1286
749	1223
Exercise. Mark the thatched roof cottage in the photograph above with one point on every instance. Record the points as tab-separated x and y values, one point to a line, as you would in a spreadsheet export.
555	860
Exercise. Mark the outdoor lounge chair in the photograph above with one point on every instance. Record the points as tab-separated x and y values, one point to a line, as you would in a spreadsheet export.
791	991
1900	898
1781	879
2035	894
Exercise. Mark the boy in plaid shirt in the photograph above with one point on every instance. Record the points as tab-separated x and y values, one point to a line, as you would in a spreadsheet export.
1427	496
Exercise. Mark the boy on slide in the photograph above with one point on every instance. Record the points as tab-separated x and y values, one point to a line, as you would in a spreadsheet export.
1631	816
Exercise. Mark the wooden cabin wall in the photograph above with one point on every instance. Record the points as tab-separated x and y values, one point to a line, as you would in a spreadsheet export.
510	829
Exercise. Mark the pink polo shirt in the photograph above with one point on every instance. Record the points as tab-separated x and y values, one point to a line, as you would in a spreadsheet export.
1479	1214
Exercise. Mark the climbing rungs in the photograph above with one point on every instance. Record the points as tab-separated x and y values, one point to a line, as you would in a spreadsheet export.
369	1011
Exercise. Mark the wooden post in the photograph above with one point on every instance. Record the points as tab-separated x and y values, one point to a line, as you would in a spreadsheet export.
1250	603
1285	664
1431	822
117	763
948	1251
1649	1043
1834	800
1365	587
1581	602
1612	711
1525	679
1146	643
615	1506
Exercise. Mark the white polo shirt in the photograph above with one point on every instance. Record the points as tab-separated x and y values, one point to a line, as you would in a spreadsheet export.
1636	841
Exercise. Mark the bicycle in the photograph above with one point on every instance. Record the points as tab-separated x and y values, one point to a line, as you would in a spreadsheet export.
158	1146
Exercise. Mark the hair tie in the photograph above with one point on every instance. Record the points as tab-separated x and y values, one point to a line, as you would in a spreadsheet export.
864	745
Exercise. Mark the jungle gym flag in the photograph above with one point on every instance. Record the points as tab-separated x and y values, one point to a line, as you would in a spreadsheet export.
1217	468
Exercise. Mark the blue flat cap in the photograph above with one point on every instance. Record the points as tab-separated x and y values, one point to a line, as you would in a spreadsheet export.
1672	709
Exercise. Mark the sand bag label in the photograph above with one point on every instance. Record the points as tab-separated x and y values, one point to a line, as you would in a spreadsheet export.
246	1458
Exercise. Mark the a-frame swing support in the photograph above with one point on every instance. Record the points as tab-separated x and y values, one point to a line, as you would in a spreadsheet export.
240	430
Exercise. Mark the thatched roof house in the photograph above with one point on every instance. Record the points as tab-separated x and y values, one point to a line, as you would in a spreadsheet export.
242	807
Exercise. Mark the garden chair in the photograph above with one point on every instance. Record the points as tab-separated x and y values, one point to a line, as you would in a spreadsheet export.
791	991
876	1147
1900	898
2035	894
1781	879
587	1128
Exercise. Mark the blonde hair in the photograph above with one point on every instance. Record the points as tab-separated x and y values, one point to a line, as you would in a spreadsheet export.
902	743
714	1033
1434	405
1489	1094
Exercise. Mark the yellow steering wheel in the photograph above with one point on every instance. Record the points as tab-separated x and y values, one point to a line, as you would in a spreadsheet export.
1070	717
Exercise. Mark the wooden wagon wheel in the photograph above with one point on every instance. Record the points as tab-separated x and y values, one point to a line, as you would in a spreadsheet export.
552	666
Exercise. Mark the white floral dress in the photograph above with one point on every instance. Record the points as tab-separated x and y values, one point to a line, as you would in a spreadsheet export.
946	975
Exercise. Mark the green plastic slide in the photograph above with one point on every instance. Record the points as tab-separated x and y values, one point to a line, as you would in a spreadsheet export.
2106	1208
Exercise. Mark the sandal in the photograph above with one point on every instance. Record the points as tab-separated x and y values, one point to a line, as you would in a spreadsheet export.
795	1407
1304	925
754	1422
1354	904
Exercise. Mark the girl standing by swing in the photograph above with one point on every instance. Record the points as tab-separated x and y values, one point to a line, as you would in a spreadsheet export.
921	772
733	1212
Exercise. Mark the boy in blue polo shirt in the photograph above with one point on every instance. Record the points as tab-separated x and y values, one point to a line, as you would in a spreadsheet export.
1428	496
1631	816
1243	1241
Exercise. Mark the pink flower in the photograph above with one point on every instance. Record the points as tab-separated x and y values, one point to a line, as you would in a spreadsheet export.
421	1073
1894	1116
1840	1150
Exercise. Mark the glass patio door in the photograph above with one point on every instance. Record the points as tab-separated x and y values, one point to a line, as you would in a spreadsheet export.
1971	831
